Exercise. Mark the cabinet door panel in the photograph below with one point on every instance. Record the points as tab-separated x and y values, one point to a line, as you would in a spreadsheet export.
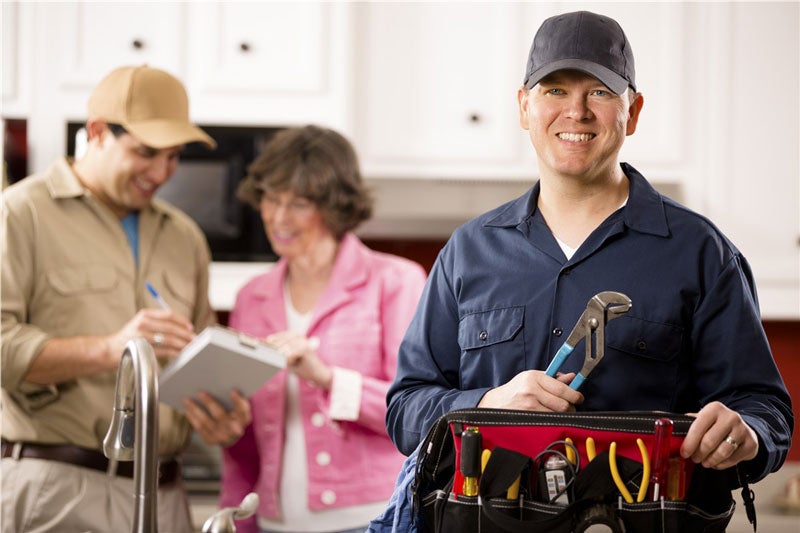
90	39
261	47
438	85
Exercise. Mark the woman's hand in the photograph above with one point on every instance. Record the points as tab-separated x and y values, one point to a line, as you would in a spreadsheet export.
301	357
213	422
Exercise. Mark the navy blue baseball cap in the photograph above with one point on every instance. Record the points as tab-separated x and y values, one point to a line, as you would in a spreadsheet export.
584	41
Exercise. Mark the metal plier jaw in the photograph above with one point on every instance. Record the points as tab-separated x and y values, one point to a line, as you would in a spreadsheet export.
601	308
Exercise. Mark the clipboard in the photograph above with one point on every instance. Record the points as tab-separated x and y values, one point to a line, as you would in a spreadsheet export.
217	360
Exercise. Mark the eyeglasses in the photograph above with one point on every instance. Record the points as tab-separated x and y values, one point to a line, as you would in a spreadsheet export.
296	206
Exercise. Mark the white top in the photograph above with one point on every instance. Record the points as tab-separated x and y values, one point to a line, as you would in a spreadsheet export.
295	514
568	250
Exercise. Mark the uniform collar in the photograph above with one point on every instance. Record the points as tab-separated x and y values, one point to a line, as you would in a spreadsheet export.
62	182
644	211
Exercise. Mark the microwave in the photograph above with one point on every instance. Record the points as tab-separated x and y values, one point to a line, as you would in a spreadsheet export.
204	187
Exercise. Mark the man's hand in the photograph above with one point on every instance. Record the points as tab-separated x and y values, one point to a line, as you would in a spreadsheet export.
533	390
719	438
166	331
301	358
67	358
213	423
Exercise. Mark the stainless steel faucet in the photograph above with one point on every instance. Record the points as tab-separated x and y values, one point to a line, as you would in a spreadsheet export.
223	520
133	432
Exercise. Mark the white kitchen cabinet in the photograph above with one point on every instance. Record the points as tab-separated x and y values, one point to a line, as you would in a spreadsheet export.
90	39
270	63
437	90
750	127
16	69
243	63
438	85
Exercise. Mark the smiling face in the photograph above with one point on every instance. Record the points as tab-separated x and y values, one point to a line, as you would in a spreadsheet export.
294	225
123	172
577	125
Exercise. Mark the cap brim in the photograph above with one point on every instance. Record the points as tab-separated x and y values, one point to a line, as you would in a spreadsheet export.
607	77
167	133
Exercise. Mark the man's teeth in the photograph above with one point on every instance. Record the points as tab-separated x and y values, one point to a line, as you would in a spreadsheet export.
576	137
145	185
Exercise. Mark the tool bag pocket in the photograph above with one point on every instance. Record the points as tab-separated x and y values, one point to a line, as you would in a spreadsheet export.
517	439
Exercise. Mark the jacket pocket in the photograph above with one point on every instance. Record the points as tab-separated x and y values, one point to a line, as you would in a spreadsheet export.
492	345
180	289
644	338
487	328
83	279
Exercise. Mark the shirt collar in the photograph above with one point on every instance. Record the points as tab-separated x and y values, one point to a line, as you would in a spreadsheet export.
644	211
62	182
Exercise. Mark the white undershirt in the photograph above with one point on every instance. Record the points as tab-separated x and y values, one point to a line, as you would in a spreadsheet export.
295	514
568	250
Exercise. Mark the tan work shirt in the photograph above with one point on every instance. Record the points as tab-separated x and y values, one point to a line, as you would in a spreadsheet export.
68	270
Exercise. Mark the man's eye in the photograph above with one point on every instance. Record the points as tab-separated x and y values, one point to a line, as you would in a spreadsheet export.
146	152
600	92
555	91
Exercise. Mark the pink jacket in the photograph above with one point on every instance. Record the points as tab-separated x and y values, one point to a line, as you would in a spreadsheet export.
360	320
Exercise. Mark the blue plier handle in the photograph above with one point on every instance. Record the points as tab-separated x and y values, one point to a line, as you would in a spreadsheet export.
601	308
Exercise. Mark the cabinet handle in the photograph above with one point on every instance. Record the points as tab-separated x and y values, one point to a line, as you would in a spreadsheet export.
137	44
475	118
244	47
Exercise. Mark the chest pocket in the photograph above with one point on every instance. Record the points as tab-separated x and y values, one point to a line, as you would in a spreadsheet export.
491	327
643	338
81	280
80	300
180	292
492	345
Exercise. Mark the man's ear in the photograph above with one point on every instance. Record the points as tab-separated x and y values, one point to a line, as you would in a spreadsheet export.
95	129
633	113
523	101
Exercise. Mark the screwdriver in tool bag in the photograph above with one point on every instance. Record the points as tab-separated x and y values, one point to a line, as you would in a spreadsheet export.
661	453
470	465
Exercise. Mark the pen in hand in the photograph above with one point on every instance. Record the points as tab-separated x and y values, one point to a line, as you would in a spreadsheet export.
157	297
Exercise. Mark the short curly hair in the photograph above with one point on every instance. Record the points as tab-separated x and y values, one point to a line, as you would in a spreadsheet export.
315	163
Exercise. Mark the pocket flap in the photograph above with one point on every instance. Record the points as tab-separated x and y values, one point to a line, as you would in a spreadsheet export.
83	278
653	340
490	327
180	288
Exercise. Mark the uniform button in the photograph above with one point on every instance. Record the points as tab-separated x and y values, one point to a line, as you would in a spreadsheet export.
323	458
317	420
641	346
567	271
328	497
557	332
483	335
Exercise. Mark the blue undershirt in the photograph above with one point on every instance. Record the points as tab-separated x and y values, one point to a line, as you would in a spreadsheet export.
130	225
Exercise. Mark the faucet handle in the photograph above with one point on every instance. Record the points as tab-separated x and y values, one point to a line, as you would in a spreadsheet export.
222	520
119	442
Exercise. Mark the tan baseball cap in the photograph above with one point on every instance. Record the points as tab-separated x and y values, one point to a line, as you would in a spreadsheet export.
150	104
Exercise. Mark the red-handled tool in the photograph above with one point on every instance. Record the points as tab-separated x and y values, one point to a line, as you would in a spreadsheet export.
471	445
660	457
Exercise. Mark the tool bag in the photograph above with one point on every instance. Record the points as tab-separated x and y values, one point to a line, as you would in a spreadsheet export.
523	444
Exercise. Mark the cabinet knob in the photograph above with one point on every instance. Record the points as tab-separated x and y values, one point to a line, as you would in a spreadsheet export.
474	118
244	46
137	44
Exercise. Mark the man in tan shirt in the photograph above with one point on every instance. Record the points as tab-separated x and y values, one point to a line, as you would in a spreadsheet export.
79	241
